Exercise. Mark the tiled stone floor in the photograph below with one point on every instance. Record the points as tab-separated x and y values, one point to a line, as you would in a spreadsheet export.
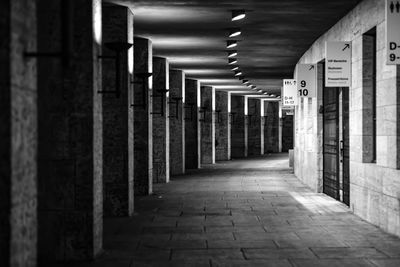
244	213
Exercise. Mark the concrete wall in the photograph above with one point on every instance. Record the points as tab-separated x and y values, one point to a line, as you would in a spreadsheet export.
374	187
18	134
222	126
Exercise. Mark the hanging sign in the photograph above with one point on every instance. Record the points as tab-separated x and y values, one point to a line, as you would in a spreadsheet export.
307	80
338	64
392	32
289	94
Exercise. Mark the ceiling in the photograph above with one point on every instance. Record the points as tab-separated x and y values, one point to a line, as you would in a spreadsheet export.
192	35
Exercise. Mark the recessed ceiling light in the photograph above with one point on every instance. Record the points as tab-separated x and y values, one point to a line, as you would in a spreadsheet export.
245	81
232	53
231	44
235	68
234	32
266	93
272	95
260	91
232	61
238	14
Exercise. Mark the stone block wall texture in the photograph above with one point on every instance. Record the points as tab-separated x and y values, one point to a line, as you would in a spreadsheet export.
207	119
271	128
192	124
70	134
254	126
161	169
117	115
18	134
238	124
143	120
177	121
374	187
222	127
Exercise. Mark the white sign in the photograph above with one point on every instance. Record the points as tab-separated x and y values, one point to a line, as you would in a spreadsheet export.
392	32
307	80
338	64
289	94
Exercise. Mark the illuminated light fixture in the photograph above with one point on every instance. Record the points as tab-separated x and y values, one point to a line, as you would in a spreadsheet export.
238	73
278	96
260	91
232	61
238	14
235	68
245	81
266	93
272	95
231	44
234	32
232	53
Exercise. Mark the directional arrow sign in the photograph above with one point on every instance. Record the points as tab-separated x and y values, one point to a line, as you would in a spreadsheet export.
289	94
306	80
338	64
392	32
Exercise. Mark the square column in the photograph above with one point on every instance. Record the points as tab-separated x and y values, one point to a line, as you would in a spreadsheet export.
207	119
177	121
271	129
18	134
143	122
254	127
70	131
239	127
160	120
192	124
117	112
222	126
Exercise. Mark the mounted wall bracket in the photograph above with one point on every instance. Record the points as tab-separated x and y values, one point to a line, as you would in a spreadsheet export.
142	76
217	112
176	101
118	48
67	18
191	106
161	94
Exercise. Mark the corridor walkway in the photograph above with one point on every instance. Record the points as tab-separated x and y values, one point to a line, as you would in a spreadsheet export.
251	212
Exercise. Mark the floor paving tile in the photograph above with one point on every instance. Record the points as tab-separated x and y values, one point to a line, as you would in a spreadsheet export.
251	212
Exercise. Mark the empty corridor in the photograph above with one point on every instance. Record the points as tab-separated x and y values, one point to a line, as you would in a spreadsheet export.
251	212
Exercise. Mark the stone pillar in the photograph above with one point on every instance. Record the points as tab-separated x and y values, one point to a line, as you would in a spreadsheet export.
18	134
117	113
238	132
207	120
143	125
160	120
192	124
70	131
262	121
254	127
271	129
222	126
177	121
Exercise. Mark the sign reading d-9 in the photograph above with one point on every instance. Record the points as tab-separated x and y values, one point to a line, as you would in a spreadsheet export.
393	32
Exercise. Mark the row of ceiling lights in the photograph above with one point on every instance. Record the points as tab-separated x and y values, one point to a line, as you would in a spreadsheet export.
232	60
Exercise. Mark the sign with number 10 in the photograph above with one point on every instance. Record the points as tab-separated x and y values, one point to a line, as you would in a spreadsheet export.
307	80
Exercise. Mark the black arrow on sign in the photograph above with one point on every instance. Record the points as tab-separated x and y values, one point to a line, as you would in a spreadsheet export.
397	7
346	46
391	7
312	67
